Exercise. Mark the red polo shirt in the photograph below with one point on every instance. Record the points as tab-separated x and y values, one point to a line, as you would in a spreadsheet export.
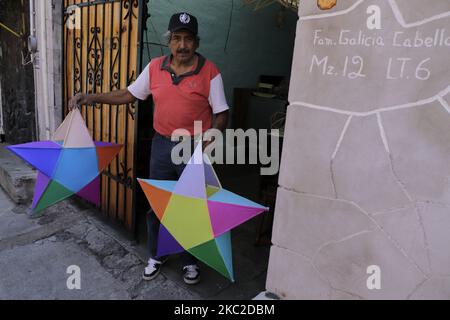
179	101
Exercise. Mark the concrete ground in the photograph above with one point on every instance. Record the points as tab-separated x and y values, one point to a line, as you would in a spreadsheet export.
36	252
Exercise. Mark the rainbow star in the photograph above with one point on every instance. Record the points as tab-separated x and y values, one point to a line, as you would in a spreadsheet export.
71	164
197	214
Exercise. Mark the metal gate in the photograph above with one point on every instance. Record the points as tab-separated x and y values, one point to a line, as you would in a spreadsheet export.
102	52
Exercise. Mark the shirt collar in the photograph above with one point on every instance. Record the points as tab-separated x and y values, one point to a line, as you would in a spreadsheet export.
166	65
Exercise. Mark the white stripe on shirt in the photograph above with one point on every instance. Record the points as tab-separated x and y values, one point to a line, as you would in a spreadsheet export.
217	99
140	89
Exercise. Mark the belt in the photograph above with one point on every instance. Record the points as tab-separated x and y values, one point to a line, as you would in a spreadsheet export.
178	138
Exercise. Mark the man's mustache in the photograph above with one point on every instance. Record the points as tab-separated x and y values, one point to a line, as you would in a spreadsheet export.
183	51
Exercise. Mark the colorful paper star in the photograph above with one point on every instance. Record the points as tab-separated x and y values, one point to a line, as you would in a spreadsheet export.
71	164
197	214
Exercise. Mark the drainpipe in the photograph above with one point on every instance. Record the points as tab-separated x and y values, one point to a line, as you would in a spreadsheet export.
32	48
44	66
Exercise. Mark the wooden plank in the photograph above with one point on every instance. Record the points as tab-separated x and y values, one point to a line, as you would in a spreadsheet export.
84	53
65	92
122	109
129	216
132	71
91	57
99	71
104	123
115	116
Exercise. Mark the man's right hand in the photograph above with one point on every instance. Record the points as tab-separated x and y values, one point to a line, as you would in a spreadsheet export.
78	100
117	97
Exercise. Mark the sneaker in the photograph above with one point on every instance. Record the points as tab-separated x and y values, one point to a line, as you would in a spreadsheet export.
191	274
152	270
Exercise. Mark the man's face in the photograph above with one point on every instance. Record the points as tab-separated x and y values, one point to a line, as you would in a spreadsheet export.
182	45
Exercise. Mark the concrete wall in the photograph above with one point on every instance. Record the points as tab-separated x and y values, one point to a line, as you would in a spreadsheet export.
16	80
365	173
256	43
47	66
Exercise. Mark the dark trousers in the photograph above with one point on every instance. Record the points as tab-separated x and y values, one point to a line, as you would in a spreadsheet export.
162	168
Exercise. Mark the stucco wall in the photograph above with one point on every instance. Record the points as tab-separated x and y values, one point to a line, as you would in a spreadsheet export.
365	173
48	67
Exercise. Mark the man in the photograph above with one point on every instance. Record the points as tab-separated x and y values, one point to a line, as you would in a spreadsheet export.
186	87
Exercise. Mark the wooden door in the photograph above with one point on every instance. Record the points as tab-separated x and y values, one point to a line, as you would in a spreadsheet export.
102	53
